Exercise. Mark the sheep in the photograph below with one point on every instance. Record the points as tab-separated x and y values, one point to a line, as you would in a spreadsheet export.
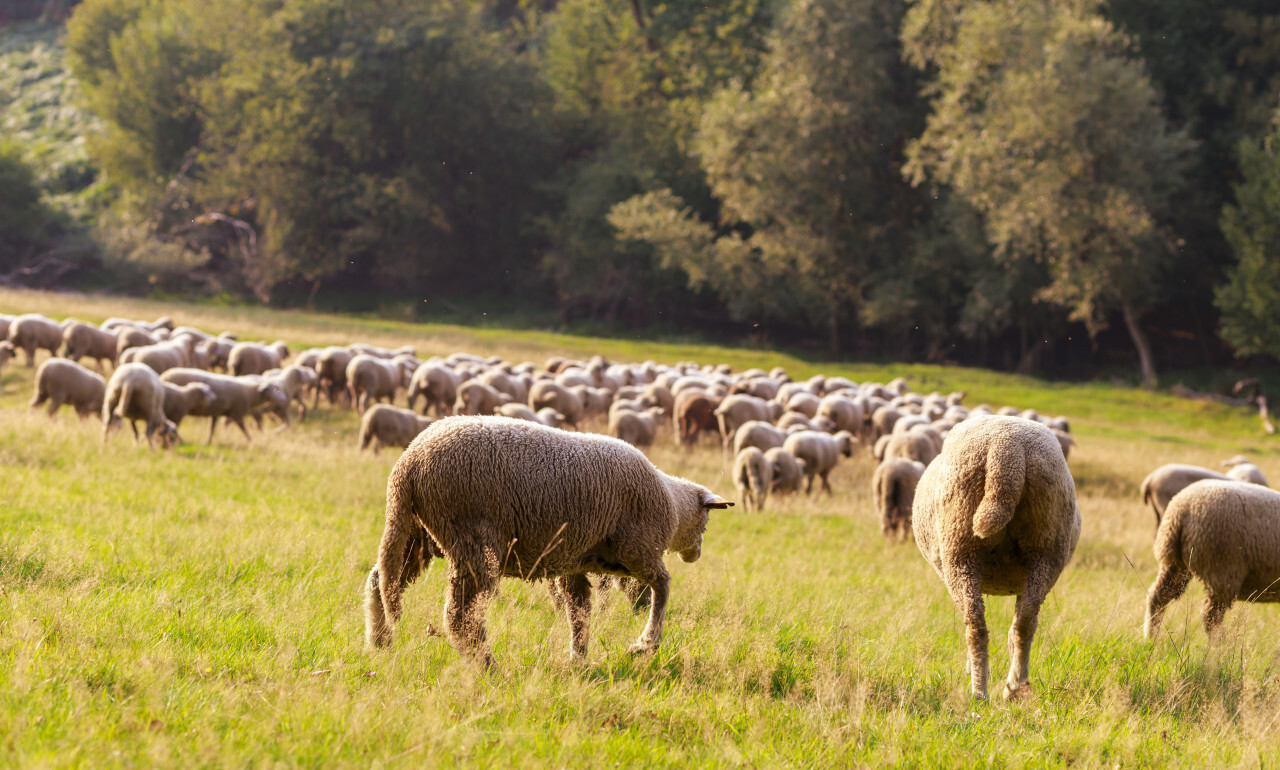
695	414
181	400
332	368
32	332
1224	533
804	403
505	383
758	434
234	398
736	409
795	420
163	322
1243	470
753	476
546	393
59	381
844	412
132	337
1065	441
371	379
507	498
135	392
359	348
474	397
293	381
595	401
386	425
788	472
80	339
1160	486
161	357
893	486
255	358
819	452
636	428
438	386
546	415
916	444
997	514
883	419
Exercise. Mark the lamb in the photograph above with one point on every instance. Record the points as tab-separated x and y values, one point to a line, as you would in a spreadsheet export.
997	514
819	452
736	409
386	425
134	393
636	428
59	381
893	486
1159	487
256	358
1224	533
507	498
548	394
474	397
753	476
758	434
234	398
1243	470
181	400
371	379
81	339
32	332
787	471
438	386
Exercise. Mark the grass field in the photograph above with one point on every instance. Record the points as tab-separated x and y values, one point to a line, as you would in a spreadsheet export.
201	607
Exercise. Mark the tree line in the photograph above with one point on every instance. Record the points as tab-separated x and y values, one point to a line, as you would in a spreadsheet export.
1000	183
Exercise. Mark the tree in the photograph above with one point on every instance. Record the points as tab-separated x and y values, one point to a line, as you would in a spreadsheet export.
1047	126
1250	299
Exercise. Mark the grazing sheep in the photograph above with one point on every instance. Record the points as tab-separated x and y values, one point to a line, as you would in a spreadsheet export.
438	386
844	412
132	337
758	434
474	397
332	368
794	420
293	381
997	515
1226	534
255	358
80	339
819	452
31	332
508	498
695	414
915	444
1243	470
506	383
386	425
181	400
753	476
636	428
788	472
235	398
893	486
883	419
161	357
134	393
548	394
737	409
371	379
1159	487
59	381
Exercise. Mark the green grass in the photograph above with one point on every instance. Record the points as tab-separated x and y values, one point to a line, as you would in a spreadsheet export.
202	607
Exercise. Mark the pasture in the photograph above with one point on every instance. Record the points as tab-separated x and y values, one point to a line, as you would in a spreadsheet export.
202	606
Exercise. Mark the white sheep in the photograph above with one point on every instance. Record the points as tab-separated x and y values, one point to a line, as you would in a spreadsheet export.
753	477
819	452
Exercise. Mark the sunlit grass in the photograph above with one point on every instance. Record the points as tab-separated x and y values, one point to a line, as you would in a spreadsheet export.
202	606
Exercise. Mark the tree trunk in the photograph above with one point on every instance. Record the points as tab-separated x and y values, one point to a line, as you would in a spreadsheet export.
1142	344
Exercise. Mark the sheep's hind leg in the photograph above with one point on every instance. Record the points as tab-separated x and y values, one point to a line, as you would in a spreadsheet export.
1169	585
659	581
575	590
965	585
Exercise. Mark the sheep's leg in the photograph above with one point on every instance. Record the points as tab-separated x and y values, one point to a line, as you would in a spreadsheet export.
1222	590
1026	616
464	610
1169	585
576	592
239	421
659	581
55	403
826	485
213	426
134	425
808	486
965	584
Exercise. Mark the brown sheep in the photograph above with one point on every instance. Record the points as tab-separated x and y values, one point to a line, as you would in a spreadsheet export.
997	514
32	332
134	393
386	425
695	414
509	498
234	398
82	340
59	381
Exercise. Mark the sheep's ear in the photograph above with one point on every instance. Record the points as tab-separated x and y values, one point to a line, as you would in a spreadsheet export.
711	500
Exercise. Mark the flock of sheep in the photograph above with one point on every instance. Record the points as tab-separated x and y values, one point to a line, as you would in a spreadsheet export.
501	478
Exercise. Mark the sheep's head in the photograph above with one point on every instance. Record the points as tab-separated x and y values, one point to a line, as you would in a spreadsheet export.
693	505
167	433
201	395
269	392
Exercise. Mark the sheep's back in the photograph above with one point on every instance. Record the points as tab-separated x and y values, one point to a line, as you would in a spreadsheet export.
1217	524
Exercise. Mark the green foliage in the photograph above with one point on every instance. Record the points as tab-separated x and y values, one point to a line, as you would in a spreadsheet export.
1250	299
26	224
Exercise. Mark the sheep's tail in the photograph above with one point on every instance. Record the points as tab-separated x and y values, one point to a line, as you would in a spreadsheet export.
1168	548
1149	497
724	426
126	398
1006	475
382	592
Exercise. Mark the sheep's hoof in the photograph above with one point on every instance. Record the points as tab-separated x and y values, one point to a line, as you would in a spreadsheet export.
640	648
1020	691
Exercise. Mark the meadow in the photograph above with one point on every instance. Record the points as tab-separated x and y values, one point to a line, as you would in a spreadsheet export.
201	607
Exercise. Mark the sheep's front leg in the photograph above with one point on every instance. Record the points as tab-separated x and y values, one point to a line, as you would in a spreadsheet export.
660	583
575	590
1169	585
